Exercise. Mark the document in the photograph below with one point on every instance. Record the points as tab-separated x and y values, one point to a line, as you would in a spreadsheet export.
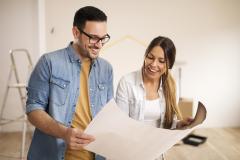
199	117
118	137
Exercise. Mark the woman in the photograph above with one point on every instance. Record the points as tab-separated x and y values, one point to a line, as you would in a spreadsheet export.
149	95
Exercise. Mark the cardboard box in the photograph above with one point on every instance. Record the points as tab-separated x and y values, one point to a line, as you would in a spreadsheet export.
186	107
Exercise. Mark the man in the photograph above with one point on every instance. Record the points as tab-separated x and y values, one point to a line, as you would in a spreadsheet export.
67	88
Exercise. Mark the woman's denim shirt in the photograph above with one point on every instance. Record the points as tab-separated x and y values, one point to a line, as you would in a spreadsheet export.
54	88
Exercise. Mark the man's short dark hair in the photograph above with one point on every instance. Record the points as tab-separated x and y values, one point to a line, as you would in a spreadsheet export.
88	13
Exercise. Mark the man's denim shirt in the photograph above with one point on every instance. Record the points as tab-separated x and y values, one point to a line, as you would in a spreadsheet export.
54	88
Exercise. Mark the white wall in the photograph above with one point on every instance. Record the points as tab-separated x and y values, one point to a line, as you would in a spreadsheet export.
206	34
18	29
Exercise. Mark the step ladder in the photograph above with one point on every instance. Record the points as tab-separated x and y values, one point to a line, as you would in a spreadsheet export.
21	87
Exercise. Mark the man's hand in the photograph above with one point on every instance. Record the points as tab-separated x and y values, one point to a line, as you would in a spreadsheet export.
184	123
76	139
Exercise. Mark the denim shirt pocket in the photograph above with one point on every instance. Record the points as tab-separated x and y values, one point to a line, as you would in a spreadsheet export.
102	88
59	90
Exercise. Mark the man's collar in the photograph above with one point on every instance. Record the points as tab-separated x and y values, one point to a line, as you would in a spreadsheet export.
74	56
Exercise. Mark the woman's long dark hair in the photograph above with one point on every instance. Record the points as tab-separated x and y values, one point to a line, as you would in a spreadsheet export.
168	82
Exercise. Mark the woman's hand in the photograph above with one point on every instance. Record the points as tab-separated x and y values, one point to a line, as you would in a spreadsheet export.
184	123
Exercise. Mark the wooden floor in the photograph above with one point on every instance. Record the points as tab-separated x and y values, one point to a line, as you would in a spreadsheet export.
221	144
10	145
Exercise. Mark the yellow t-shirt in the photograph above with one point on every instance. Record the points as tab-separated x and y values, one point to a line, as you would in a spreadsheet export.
82	116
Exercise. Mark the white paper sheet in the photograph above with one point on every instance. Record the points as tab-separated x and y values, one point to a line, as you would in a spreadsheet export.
119	137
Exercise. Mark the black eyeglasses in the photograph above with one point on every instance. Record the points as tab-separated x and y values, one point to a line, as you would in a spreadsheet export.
94	39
